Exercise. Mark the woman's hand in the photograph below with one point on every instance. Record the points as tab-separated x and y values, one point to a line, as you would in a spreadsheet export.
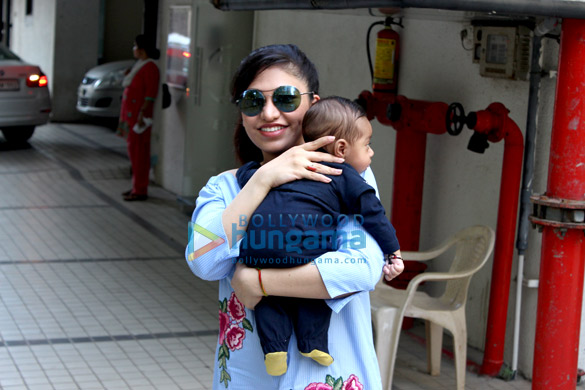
394	268
246	285
300	162
140	119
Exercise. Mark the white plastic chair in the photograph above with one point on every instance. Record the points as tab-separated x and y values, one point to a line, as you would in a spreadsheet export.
473	246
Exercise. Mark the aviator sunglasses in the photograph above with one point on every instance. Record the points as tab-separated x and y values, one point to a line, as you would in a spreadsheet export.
286	98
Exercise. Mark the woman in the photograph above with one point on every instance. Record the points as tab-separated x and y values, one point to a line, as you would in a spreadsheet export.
269	131
141	88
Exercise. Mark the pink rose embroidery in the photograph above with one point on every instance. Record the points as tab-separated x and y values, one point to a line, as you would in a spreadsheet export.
234	337
318	386
224	321
352	383
236	308
232	332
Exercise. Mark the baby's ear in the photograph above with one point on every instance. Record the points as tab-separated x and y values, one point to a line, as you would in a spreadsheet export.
340	148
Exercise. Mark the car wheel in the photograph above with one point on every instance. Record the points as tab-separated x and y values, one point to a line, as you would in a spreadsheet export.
18	135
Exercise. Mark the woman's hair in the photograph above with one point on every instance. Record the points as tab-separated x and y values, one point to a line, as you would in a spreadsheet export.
292	60
335	116
142	42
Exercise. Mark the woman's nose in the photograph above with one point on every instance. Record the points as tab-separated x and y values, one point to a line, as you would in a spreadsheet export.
269	111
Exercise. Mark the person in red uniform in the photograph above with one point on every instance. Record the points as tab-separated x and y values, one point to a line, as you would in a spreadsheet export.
140	90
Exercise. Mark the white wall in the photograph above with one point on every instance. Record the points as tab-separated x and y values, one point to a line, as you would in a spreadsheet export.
32	37
461	187
64	44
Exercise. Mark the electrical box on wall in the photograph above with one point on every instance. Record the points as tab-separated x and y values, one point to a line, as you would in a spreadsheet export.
502	52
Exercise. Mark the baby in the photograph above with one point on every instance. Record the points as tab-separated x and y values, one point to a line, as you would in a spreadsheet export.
297	222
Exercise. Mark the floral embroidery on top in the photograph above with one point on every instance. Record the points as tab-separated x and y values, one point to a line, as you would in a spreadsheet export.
232	332
352	383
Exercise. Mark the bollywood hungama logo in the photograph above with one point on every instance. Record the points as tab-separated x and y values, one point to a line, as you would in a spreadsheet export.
295	233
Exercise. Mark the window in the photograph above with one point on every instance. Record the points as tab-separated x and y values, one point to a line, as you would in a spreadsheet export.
179	46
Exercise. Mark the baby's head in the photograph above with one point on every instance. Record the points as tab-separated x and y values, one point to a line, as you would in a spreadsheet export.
345	120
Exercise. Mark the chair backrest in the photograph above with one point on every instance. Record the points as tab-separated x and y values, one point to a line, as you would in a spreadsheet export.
473	247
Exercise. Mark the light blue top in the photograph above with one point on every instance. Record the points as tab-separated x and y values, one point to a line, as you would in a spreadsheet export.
239	360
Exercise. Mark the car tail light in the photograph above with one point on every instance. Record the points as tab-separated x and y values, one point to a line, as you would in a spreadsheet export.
37	80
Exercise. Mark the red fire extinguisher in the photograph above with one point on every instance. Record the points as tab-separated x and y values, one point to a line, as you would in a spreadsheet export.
386	62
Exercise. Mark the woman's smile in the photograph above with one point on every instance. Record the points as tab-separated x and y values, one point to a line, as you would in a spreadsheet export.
272	130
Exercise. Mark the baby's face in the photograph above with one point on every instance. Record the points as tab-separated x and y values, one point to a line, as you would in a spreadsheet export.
360	153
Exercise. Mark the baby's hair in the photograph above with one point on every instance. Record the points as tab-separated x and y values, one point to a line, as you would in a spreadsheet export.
333	115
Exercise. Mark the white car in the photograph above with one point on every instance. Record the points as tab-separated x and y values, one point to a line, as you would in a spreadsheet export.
24	97
100	92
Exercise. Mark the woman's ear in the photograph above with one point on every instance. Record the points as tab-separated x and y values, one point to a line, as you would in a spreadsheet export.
340	148
316	98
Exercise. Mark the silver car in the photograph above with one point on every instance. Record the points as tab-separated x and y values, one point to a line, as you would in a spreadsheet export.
24	97
100	92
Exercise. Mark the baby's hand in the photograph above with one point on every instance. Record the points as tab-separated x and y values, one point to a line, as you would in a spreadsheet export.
393	268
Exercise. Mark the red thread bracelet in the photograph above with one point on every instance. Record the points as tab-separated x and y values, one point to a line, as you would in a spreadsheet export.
260	280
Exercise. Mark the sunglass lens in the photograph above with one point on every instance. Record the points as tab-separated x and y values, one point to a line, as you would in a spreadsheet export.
251	102
287	98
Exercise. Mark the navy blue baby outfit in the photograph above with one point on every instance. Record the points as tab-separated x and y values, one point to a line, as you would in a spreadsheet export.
295	224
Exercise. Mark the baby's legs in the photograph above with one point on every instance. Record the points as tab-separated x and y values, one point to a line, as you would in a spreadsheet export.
274	327
311	324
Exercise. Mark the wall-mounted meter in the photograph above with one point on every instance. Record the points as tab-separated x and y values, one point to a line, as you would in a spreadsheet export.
502	51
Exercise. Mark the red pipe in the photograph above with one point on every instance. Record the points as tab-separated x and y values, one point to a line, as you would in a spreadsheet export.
494	122
560	291
416	118
412	120
407	189
409	163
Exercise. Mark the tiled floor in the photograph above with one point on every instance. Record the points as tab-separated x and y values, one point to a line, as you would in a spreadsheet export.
95	293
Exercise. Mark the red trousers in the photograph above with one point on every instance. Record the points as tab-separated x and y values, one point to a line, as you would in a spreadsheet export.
139	153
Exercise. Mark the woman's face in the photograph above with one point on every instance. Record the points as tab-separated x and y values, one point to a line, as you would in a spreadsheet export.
137	52
273	131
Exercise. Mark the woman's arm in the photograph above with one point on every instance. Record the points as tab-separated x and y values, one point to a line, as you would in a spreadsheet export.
305	281
146	107
150	77
278	281
207	252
